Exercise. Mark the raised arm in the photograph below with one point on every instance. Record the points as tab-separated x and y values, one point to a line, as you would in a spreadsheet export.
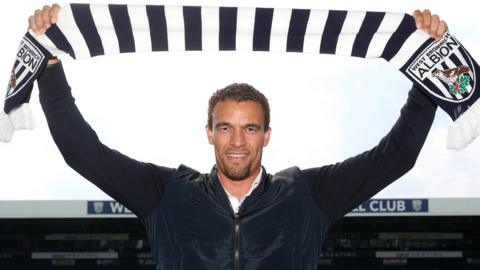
137	185
339	188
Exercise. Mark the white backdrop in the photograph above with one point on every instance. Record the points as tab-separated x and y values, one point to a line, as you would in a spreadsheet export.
153	107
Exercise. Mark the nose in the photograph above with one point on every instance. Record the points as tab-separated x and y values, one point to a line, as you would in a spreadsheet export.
238	138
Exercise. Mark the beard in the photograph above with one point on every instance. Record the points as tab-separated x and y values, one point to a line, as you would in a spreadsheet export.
236	173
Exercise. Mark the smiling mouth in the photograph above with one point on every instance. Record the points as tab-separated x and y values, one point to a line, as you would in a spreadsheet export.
237	155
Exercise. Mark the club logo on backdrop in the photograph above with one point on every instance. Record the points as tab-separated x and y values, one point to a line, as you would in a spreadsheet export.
445	69
417	205
98	207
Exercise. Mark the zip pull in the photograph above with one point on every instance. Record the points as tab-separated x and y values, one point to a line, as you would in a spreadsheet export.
236	255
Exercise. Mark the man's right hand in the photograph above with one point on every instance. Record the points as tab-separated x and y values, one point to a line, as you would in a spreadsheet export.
42	19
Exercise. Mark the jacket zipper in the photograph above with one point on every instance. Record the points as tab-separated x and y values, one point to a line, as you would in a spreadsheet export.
236	256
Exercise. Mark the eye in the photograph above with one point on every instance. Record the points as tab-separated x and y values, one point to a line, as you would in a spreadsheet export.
223	129
251	129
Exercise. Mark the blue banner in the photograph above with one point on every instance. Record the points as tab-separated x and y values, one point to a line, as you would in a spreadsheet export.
393	206
370	206
107	208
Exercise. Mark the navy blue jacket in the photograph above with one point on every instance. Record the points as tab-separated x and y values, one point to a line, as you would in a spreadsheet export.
189	221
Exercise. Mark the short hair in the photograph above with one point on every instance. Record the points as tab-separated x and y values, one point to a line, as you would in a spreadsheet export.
239	92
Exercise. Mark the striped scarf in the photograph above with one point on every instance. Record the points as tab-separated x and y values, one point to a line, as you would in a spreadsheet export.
442	68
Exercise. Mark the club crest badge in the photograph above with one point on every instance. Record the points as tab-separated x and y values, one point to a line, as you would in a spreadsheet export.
445	69
456	79
12	83
98	207
417	205
28	61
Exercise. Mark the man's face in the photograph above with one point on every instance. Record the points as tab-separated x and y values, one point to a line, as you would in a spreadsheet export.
238	137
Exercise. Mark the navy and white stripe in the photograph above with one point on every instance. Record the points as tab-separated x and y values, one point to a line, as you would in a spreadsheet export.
157	25
297	29
227	30
88	30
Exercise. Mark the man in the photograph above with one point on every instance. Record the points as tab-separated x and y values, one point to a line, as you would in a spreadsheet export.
238	216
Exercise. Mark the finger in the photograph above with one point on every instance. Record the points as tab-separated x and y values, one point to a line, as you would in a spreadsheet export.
418	16
442	28
434	26
38	19
54	13
427	16
32	24
45	17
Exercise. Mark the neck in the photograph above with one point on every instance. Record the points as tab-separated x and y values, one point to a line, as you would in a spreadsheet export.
237	188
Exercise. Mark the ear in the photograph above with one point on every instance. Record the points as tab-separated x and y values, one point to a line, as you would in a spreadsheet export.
209	134
266	137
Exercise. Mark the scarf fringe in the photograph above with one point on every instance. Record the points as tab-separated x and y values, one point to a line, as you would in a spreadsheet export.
18	118
6	128
465	129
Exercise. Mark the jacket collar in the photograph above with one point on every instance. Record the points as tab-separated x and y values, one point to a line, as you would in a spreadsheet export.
222	196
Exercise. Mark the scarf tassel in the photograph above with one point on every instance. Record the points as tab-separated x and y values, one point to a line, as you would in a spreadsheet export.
19	118
465	129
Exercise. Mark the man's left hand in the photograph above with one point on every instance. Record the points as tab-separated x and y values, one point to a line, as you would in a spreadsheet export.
429	23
